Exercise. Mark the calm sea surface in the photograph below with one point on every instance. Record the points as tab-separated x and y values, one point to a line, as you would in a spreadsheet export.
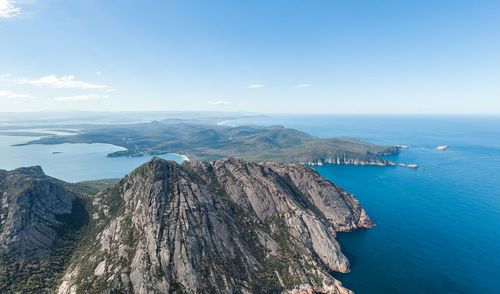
438	226
74	163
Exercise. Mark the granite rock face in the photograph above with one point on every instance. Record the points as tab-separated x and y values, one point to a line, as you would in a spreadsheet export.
31	206
225	226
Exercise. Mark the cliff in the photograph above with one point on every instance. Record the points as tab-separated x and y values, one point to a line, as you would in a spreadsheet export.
225	226
31	205
39	221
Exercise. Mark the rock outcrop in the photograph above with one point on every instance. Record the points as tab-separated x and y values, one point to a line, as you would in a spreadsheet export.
41	219
350	161
225	226
32	205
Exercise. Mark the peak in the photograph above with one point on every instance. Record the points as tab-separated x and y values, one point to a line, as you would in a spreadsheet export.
31	170
157	162
213	212
156	166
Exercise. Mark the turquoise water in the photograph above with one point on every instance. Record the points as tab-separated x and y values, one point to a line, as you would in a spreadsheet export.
76	162
438	227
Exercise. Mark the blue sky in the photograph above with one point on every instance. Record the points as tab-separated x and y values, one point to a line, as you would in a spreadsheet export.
260	56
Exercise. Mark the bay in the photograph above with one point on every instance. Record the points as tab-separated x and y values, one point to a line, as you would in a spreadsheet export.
71	162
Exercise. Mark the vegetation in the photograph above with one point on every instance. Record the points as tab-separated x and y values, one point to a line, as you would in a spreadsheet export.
91	187
211	142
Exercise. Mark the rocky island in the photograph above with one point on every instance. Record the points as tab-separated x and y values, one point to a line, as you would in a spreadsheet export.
225	226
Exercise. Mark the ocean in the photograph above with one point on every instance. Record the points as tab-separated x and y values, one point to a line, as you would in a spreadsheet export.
70	162
438	226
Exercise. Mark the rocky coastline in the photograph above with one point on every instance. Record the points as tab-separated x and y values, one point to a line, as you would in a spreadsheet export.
221	226
348	161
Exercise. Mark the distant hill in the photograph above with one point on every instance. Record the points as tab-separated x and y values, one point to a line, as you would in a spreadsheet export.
212	142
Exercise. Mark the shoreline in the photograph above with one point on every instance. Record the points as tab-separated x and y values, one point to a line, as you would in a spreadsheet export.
181	155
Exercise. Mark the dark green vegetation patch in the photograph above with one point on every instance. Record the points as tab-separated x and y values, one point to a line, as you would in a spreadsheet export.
212	142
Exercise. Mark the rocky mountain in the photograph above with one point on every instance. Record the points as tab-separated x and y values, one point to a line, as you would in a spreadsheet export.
39	219
225	226
35	210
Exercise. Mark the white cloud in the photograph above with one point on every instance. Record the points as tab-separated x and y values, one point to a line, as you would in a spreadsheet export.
4	77
7	9
12	95
255	86
81	97
63	82
98	72
219	102
304	85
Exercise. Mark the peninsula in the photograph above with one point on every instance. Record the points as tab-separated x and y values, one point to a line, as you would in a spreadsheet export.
212	142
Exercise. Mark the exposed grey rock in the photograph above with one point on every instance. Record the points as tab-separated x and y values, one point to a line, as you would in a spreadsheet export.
31	204
226	226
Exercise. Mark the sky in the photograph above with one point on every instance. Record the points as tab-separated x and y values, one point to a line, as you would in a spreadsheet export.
348	56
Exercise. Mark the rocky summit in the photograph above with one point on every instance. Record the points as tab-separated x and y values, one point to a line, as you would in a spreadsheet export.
225	226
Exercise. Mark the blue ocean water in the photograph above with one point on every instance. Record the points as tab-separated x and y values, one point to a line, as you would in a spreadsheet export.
438	226
70	162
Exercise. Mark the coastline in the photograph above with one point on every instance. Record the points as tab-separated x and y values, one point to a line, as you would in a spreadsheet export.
183	156
348	162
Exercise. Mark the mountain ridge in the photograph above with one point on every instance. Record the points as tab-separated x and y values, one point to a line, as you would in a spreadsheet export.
226	226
